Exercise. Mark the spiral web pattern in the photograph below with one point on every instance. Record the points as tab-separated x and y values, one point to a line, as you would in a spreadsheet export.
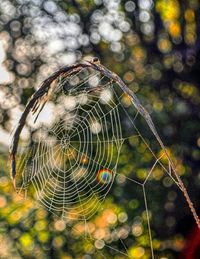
72	162
74	165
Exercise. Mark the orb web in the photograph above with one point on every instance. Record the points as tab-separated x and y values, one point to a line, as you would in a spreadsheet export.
72	158
84	140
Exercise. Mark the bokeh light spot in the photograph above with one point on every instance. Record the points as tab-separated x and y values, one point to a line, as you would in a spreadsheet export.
104	176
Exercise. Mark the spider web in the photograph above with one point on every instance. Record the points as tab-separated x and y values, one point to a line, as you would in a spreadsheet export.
72	160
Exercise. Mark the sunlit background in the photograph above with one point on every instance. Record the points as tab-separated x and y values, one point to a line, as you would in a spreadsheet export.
155	48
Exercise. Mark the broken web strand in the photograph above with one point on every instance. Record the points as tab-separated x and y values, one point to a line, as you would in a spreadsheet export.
145	195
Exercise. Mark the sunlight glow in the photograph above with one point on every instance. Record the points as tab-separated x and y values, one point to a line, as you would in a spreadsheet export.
5	76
